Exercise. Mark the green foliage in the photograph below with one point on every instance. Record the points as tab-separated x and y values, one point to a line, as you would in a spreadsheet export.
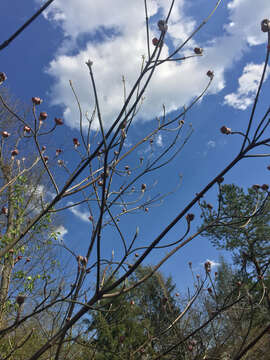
243	222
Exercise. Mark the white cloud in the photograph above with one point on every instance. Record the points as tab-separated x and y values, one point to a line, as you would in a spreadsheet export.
122	42
211	144
62	231
248	85
159	140
82	215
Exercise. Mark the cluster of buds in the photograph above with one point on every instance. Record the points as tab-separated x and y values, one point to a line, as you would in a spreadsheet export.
3	77
190	217
198	51
162	25
225	130
265	25
207	266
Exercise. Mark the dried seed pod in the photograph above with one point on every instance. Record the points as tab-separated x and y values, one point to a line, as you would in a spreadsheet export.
143	187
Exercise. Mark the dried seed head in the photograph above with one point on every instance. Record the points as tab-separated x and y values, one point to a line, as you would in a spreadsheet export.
265	25
209	206
210	290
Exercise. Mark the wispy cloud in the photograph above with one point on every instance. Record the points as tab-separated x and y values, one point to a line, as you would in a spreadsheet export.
248	84
82	215
211	144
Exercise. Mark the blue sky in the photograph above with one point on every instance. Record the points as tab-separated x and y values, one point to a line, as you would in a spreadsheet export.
53	50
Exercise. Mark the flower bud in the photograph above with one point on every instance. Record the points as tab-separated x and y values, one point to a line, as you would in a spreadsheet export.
198	51
15	152
225	130
58	121
43	116
76	142
162	25
3	77
26	129
220	180
256	187
210	74
265	25
155	41
36	100
265	187
20	299
190	217
5	134
143	187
